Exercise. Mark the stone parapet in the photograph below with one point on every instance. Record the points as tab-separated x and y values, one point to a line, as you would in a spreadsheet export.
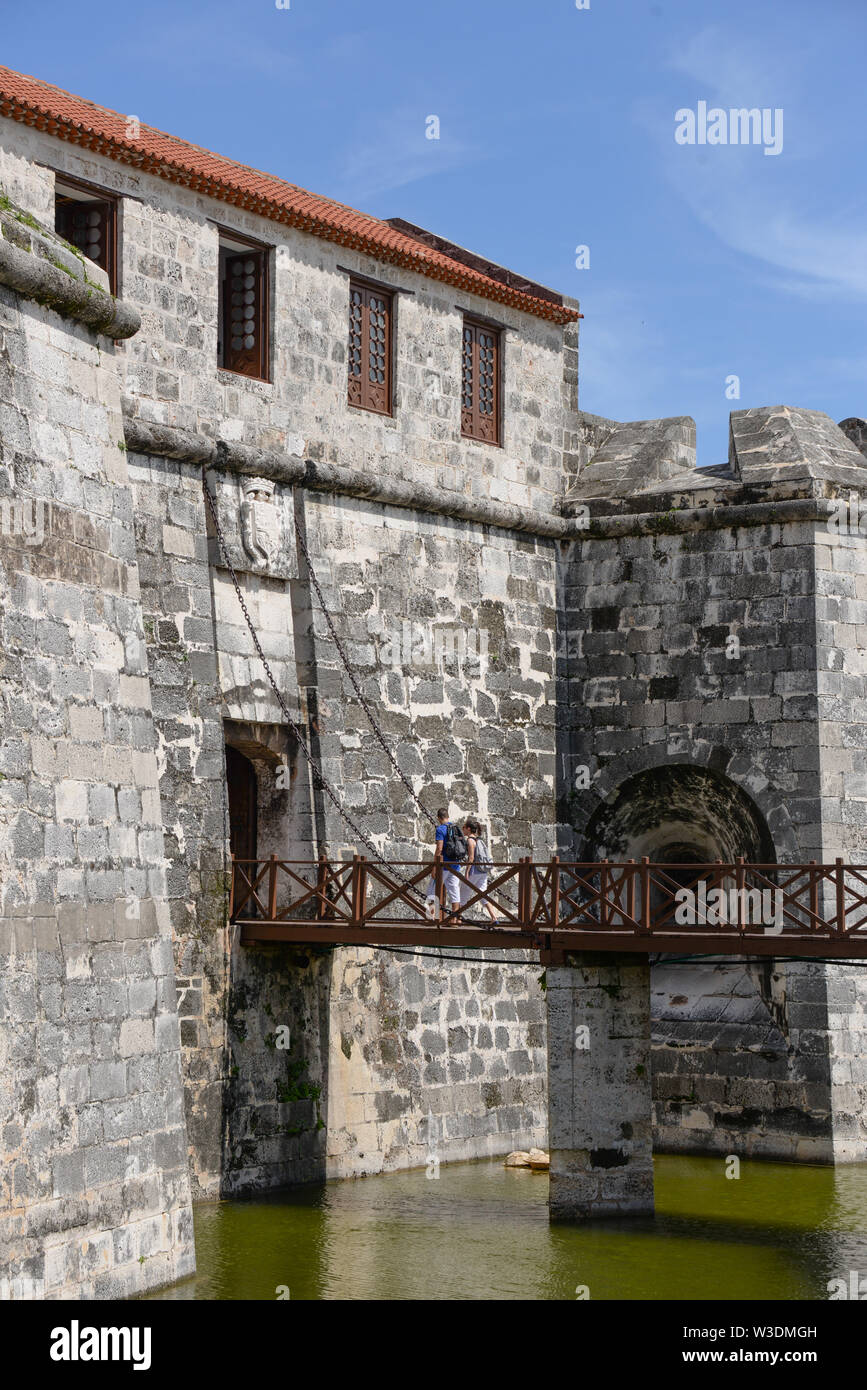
39	265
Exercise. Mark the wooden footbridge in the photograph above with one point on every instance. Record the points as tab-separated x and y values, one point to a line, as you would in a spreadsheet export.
812	910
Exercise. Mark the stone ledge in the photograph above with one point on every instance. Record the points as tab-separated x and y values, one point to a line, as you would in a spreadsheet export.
39	265
781	501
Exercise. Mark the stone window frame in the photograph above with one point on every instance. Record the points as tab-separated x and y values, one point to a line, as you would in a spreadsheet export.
100	195
233	243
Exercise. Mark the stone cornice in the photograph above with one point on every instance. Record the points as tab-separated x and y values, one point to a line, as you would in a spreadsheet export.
798	501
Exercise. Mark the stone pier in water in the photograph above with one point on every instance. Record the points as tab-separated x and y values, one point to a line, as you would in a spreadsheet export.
599	1087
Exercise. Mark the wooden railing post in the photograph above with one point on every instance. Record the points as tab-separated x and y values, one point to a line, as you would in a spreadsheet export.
555	889
813	895
272	889
718	883
321	886
604	877
630	890
841	896
524	912
232	887
645	894
359	889
740	881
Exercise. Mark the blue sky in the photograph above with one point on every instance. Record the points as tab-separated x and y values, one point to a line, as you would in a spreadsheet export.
556	130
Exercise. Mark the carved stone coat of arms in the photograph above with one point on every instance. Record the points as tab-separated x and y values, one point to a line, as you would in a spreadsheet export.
257	521
261	521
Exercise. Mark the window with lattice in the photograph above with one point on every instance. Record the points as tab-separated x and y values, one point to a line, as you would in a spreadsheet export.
480	383
243	338
89	224
369	357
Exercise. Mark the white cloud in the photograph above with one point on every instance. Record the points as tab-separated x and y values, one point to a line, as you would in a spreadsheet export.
393	151
746	74
752	214
776	211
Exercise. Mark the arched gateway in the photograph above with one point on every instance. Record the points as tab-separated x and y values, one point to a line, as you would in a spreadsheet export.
678	813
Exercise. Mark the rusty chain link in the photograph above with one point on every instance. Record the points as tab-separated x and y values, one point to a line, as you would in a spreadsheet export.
356	687
319	778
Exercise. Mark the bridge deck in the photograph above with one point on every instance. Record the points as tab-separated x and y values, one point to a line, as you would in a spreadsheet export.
812	910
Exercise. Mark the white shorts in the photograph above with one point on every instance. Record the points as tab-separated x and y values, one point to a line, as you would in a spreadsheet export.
452	887
478	884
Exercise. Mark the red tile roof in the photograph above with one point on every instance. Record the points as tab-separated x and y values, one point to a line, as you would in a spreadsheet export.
81	122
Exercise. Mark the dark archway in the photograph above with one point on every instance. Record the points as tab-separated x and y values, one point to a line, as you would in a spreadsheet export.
678	813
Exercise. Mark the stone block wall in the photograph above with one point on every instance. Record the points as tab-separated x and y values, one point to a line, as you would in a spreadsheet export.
841	642
433	1059
94	1192
753	1059
474	728
178	619
731	1073
474	731
647	680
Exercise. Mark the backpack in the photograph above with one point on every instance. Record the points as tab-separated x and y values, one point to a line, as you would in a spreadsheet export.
454	845
482	859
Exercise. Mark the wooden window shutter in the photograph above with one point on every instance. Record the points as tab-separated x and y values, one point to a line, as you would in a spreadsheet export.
90	226
369	366
480	383
245	337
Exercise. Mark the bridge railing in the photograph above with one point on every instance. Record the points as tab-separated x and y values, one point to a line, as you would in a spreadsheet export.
639	899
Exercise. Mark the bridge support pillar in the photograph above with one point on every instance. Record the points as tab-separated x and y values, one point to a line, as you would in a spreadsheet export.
599	1086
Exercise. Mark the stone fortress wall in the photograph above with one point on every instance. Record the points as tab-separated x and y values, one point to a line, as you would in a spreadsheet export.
748	747
604	647
416	1051
94	1184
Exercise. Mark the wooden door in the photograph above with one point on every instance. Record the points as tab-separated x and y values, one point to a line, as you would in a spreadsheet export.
243	799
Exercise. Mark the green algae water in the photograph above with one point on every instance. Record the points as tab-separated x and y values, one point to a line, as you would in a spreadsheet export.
481	1231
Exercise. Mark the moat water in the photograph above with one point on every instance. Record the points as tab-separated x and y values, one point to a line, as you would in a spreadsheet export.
481	1231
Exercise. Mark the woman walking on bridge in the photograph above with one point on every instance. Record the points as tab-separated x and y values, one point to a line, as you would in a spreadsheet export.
477	865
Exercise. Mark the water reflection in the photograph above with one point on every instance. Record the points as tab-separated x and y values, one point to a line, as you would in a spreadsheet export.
481	1231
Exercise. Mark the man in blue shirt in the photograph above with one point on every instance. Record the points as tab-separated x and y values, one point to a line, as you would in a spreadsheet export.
451	881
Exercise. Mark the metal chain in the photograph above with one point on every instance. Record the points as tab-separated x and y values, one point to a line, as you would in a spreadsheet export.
356	687
364	703
318	776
